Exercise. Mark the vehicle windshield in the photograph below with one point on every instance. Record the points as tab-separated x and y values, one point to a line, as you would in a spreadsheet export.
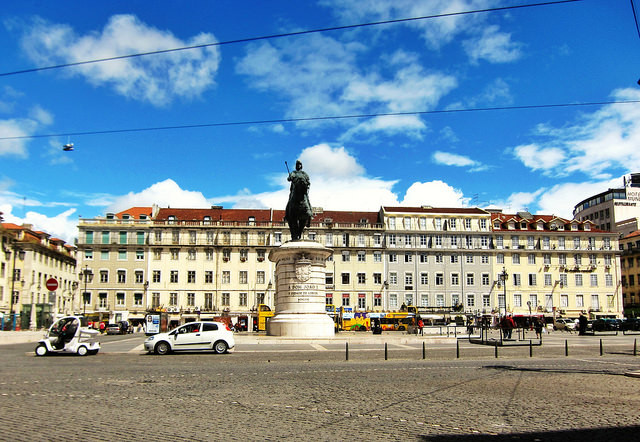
67	326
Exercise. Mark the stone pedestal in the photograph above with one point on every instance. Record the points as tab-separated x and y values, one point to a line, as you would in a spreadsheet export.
300	291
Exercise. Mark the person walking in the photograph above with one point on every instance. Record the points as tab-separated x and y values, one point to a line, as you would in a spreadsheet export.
420	326
538	327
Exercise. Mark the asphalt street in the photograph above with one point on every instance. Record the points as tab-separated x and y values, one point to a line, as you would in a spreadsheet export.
326	390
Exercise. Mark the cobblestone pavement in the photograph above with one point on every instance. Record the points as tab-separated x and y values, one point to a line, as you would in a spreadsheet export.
276	395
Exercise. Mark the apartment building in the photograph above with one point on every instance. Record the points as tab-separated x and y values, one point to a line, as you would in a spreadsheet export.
547	264
29	259
202	263
113	273
438	257
630	263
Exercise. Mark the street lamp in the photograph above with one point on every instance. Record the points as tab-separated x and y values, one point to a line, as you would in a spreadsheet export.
88	277
503	278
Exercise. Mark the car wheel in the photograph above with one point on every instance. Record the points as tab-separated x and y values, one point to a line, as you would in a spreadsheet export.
41	350
401	328
220	347
82	351
162	348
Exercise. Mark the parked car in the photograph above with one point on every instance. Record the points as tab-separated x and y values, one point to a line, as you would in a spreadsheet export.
629	324
605	324
113	329
193	336
564	324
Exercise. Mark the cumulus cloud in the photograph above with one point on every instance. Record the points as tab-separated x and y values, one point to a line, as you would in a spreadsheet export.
156	79
166	193
594	144
434	193
61	226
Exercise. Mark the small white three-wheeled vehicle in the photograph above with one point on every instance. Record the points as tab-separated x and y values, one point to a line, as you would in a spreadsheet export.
69	335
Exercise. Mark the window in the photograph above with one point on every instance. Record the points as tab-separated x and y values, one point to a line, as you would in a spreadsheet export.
191	276
562	259
440	300
469	258
564	301
578	280
408	299
500	241
500	258
226	277
515	259
175	254
88	254
277	238
424	300
155	300
377	256
244	255
579	301
408	257
243	277
120	299
104	254
595	302
328	239
362	257
471	300
471	279
345	278
362	301
328	279
155	276
424	278
139	276
346	256
439	278
608	280
157	254
439	258
393	278
345	299
122	276
564	280
123	237
243	300
208	277
191	299
533	299
517	300
137	299
516	279
260	277
173	276
455	279
104	276
454	259
531	259
393	257
532	279
362	279
391	239
547	279
328	300
377	278
208	301
423	240
485	279
122	255
393	301
424	258
486	301
408	280
102	300
226	299
594	280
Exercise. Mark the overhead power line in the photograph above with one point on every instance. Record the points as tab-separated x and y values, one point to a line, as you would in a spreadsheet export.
287	34
319	118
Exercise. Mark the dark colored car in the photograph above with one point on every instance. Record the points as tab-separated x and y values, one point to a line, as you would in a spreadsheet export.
606	324
630	324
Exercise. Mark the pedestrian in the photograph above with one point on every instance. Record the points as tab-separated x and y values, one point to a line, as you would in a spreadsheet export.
102	327
420	326
538	327
582	325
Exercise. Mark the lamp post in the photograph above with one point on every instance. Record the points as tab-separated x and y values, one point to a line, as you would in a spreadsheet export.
14	299
88	274
503	278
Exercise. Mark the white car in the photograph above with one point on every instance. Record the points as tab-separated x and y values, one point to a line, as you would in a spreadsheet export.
564	324
193	336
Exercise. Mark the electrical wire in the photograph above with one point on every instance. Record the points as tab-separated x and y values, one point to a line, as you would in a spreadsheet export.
288	34
635	18
319	118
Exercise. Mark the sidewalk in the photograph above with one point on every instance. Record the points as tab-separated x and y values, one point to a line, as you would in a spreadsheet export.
20	337
347	337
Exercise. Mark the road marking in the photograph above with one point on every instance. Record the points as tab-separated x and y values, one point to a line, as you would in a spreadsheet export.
319	347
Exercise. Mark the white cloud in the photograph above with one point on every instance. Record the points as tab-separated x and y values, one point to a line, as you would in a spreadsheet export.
493	46
61	226
320	76
166	193
156	79
536	157
452	159
595	144
15	128
434	193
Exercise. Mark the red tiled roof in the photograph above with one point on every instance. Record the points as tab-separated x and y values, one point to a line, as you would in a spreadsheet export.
632	235
461	210
216	214
135	212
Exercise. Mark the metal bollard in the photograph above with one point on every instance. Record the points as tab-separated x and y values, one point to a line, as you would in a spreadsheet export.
635	348
566	348
530	349
457	349
386	351
346	348
495	351
424	351
601	349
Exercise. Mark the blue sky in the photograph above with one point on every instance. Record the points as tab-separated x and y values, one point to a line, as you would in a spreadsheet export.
542	159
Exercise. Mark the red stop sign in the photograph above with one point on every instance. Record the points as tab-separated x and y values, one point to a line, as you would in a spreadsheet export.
52	284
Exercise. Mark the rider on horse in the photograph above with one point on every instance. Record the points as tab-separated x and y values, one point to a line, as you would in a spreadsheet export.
298	213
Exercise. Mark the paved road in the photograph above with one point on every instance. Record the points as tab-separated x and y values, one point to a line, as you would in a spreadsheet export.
275	391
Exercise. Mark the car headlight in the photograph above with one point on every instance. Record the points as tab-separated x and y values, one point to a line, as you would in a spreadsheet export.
150	338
